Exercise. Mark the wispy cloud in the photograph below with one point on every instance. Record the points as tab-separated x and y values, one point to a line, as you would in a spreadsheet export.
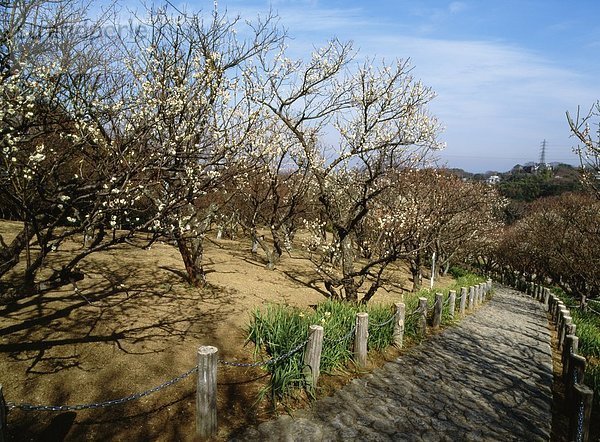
493	96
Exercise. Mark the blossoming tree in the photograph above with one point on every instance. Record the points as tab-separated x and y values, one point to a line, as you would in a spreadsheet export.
379	120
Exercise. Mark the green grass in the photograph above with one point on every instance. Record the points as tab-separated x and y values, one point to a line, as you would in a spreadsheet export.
277	329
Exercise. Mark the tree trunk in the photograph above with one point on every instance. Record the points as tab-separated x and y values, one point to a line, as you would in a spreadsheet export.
415	270
192	259
348	282
278	245
9	254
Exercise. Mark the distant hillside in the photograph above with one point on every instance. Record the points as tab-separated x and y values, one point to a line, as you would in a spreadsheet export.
528	183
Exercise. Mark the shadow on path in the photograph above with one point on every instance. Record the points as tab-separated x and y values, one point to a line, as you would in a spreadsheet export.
488	379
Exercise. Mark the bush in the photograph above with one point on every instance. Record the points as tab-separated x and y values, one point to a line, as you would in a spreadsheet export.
457	272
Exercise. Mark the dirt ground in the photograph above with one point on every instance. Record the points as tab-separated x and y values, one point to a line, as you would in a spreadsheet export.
133	323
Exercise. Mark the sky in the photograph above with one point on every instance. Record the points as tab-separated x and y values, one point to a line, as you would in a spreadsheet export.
505	71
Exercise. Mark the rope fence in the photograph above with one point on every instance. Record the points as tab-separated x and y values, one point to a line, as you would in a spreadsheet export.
206	368
104	404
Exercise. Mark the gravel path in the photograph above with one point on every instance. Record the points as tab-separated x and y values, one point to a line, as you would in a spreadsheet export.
488	379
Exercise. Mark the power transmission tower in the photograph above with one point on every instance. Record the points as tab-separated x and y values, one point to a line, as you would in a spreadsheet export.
543	154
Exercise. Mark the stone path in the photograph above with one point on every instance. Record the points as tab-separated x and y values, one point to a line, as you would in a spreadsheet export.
488	379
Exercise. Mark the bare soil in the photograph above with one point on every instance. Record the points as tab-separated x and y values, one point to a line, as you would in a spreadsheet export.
134	323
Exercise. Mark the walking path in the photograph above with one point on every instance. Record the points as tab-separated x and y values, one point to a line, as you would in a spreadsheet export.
488	379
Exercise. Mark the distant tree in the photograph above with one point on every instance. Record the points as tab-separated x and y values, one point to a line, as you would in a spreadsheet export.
559	240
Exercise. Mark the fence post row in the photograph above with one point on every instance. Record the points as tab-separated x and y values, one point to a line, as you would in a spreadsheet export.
312	355
399	320
360	339
206	393
578	396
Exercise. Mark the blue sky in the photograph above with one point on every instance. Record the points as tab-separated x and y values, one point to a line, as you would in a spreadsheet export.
505	71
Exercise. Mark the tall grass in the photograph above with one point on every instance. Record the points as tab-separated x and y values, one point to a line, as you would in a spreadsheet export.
278	329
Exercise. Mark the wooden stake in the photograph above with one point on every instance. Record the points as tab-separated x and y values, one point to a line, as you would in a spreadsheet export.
463	300
206	393
360	339
452	303
312	355
437	310
399	324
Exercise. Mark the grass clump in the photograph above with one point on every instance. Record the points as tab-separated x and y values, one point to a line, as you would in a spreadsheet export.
278	329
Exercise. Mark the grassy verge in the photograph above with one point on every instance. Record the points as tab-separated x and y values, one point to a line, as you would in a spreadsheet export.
276	330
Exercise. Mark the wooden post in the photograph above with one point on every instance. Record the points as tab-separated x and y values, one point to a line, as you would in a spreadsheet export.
422	327
559	305
312	356
3	420
574	375
546	298
463	300
561	321
483	292
579	428
567	320
551	303
570	347
399	324
360	339
206	393
437	310
452	303
471	297
583	303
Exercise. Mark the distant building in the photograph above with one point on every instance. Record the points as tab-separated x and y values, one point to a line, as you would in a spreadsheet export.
494	179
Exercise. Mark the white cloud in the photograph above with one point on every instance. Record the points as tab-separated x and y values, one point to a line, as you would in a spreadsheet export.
495	98
456	7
